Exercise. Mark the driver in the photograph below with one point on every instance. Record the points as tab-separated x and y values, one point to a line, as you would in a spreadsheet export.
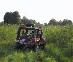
19	29
40	33
26	35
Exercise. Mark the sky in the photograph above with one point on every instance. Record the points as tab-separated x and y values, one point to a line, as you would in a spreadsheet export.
40	10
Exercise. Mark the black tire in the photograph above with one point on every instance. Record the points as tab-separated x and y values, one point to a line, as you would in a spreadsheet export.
19	46
42	46
34	48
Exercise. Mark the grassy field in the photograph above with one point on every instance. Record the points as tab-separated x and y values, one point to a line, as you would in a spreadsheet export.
59	45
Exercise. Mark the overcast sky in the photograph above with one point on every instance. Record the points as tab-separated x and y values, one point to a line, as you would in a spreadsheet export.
40	10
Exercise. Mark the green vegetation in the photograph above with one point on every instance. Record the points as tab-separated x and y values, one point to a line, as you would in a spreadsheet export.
59	45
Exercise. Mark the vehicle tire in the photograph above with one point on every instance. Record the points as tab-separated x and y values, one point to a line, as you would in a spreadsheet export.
34	48
18	46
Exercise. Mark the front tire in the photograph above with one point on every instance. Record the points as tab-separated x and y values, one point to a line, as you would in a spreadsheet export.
19	46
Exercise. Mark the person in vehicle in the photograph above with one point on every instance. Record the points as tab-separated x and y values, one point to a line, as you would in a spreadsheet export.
40	33
19	29
26	35
32	33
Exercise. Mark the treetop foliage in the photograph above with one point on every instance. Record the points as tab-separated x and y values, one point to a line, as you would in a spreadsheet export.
11	17
61	22
14	18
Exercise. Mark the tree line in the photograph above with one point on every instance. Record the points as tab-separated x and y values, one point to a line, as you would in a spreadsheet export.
15	18
61	22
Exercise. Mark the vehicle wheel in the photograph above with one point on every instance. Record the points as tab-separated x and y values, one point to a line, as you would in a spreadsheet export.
18	46
42	46
34	48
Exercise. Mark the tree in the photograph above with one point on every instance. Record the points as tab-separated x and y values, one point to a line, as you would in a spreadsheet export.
15	17
38	24
45	24
32	21
24	20
7	18
59	23
11	18
52	22
67	22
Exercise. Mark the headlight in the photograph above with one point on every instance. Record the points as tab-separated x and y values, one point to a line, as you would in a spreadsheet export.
37	40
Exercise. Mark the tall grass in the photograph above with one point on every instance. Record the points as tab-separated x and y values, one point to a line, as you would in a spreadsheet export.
60	42
59	45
